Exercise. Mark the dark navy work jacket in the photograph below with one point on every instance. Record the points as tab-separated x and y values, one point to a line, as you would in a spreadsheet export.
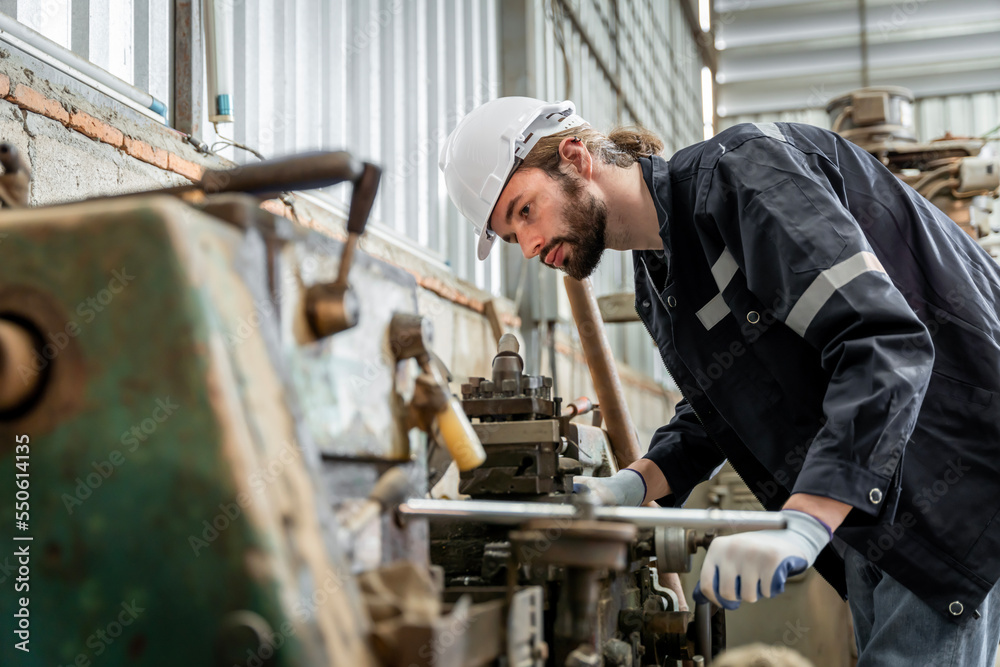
832	333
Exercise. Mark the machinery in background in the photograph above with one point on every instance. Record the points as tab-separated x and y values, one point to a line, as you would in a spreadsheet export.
951	172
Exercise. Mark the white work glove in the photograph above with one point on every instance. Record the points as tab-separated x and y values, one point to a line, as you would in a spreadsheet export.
625	487
747	566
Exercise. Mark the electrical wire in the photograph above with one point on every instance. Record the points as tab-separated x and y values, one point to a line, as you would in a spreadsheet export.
993	131
224	141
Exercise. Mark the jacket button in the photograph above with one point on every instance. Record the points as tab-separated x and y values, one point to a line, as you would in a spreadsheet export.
753	317
875	496
645	304
956	608
671	301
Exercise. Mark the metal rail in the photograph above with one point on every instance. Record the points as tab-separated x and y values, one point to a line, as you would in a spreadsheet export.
515	513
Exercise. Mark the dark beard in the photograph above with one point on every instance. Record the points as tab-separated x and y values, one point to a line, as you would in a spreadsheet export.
586	217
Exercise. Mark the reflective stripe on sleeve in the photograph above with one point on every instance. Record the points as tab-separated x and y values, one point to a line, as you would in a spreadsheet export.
712	312
771	130
722	271
825	285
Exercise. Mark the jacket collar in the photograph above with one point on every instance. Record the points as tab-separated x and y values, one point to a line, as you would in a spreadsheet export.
656	175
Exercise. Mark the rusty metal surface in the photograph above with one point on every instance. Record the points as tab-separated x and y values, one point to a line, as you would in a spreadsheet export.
518	432
488	408
580	543
348	383
517	469
207	469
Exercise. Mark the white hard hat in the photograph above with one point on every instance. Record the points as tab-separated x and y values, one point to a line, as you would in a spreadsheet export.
486	147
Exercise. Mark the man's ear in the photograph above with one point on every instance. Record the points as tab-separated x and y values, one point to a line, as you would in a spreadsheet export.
575	157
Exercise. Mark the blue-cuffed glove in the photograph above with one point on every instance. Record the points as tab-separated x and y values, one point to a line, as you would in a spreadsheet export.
748	566
625	487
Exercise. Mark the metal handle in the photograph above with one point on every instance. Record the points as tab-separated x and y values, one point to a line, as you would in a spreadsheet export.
300	172
515	513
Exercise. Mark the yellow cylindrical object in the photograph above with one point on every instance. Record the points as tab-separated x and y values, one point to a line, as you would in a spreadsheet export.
459	436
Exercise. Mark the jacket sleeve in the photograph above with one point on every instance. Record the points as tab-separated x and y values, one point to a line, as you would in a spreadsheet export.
684	453
805	256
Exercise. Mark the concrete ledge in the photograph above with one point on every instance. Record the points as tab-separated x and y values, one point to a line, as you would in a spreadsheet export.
173	154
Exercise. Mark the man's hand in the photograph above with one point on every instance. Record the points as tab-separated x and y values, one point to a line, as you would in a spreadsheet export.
750	565
625	487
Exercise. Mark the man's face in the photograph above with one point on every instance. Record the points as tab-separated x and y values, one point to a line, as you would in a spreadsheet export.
558	220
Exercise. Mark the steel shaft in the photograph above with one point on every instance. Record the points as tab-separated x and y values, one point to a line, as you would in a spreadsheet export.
515	513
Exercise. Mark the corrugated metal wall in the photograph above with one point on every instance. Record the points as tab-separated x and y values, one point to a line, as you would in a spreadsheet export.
623	62
388	79
385	79
132	39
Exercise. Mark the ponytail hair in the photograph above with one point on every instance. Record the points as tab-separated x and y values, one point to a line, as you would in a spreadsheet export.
635	141
620	147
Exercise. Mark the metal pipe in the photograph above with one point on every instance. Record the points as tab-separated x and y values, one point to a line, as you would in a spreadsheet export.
21	36
724	521
603	372
703	631
218	51
516	513
485	511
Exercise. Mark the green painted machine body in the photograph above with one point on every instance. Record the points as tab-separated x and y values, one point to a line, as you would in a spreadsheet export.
176	510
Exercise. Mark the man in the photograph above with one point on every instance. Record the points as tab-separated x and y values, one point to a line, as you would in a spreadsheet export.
821	319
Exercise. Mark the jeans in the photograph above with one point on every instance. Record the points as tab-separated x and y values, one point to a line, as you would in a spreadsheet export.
895	628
